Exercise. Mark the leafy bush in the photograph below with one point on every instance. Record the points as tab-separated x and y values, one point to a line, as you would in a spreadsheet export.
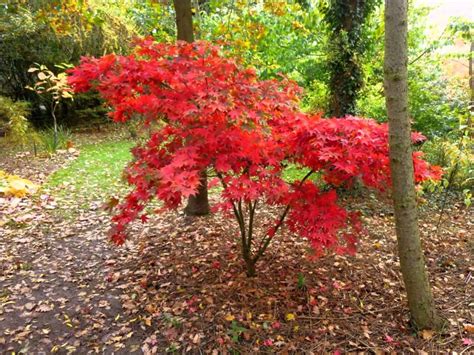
219	116
14	121
52	140
39	32
456	157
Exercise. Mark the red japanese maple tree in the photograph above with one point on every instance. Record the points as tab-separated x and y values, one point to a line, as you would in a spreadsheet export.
219	117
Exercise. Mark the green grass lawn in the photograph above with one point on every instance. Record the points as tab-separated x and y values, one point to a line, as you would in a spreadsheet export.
94	175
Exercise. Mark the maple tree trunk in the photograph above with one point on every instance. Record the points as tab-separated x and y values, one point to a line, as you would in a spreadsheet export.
415	276
198	205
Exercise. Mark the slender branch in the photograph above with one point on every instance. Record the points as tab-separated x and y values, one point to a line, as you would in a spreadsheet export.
251	219
266	241
242	221
430	48
238	215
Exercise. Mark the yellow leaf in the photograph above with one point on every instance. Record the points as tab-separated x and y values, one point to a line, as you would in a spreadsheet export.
290	317
12	185
229	317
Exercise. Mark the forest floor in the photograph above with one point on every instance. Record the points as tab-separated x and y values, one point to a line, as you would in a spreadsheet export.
178	284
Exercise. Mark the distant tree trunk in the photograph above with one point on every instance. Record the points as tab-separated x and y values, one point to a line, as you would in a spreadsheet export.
184	20
198	205
415	276
345	20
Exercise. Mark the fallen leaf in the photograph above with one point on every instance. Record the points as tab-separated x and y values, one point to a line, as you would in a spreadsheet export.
30	306
427	334
229	317
469	328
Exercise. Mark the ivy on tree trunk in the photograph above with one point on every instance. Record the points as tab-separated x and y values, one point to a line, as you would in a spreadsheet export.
345	20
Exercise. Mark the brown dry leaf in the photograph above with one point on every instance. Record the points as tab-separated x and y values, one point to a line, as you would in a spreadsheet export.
45	307
469	328
427	334
150	308
30	306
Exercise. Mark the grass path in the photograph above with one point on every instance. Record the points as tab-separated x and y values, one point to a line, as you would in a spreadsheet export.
94	175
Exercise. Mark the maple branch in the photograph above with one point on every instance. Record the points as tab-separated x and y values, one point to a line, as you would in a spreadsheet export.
266	241
242	221
238	215
251	219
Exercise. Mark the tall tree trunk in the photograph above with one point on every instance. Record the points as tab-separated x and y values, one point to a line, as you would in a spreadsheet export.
415	277
198	205
184	20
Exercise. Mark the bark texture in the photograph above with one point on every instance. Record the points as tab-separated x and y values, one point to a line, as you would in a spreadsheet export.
198	205
184	20
415	276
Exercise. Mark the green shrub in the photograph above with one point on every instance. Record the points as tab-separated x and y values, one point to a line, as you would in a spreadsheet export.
456	157
31	33
50	143
14	122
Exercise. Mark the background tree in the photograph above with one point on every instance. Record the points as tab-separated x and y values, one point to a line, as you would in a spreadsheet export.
184	20
198	204
51	33
415	277
345	20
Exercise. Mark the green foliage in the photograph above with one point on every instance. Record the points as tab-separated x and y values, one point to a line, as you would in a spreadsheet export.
345	21
236	331
435	100
14	120
301	284
274	37
52	140
38	32
457	159
153	18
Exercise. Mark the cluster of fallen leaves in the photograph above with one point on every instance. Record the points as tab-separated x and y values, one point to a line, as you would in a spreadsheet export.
180	286
193	295
15	186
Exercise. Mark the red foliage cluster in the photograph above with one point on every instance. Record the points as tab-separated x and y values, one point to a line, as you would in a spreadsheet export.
219	117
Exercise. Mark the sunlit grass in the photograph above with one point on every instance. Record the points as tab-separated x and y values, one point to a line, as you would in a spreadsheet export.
94	175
